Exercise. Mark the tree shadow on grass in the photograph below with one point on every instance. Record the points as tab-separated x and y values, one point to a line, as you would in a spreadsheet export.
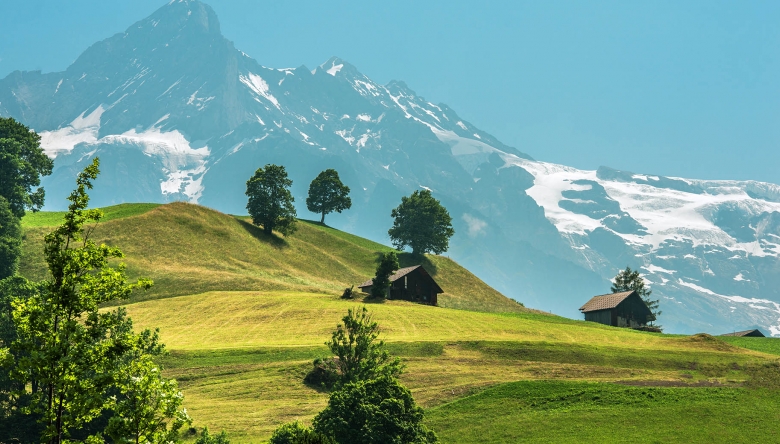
410	260
258	233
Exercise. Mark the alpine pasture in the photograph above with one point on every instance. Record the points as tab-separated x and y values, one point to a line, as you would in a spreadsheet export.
243	315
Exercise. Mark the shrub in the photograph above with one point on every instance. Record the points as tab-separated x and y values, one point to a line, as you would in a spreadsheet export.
297	433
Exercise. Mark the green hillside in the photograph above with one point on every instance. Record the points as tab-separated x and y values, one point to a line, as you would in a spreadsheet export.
243	315
189	249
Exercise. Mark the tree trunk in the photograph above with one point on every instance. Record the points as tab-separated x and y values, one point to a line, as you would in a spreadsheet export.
322	221
268	229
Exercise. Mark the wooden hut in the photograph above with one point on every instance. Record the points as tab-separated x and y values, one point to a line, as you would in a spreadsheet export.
755	333
626	309
411	284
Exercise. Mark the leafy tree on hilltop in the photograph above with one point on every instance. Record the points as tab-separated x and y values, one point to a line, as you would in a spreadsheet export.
422	223
22	162
630	280
270	201
327	194
388	264
10	240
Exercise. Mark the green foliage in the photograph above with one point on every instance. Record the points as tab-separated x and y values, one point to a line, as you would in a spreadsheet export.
360	355
297	433
148	407
14	423
630	280
388	264
327	194
324	375
208	438
22	162
10	240
378	410
270	201
68	349
422	223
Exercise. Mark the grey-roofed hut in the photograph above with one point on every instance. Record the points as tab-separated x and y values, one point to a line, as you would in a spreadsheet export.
411	284
625	309
755	333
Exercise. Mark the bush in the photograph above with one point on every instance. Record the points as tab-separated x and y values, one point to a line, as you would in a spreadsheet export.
297	433
377	411
349	293
324	375
207	438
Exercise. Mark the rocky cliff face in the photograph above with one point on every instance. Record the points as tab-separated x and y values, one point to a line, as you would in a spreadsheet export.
176	112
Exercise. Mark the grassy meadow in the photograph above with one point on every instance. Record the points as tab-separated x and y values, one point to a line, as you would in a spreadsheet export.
244	314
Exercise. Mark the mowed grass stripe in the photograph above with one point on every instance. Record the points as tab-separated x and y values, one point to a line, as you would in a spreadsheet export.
220	320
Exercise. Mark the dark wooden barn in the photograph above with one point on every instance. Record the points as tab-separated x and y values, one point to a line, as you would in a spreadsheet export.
626	309
411	284
755	333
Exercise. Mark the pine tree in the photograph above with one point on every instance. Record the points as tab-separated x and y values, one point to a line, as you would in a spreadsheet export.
630	280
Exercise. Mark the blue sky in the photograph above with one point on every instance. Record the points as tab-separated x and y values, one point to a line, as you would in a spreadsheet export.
687	89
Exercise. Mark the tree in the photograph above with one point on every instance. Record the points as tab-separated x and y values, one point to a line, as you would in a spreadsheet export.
422	223
67	347
22	162
10	240
630	280
378	410
388	264
360	355
270	201
148	407
208	438
297	433
14	423
327	194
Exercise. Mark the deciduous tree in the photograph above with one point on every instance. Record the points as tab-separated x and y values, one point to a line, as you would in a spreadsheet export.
270	201
65	345
22	162
10	240
327	194
378	410
422	223
631	280
148	407
388	264
360	355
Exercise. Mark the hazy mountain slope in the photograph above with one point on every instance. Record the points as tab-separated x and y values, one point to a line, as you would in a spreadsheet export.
175	112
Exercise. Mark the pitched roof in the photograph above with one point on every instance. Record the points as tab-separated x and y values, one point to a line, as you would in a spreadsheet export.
395	276
755	333
605	301
401	273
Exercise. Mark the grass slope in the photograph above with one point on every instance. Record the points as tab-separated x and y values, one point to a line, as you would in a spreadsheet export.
241	356
189	249
244	314
575	412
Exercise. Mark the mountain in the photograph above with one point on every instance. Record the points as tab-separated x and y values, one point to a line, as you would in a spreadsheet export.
176	112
